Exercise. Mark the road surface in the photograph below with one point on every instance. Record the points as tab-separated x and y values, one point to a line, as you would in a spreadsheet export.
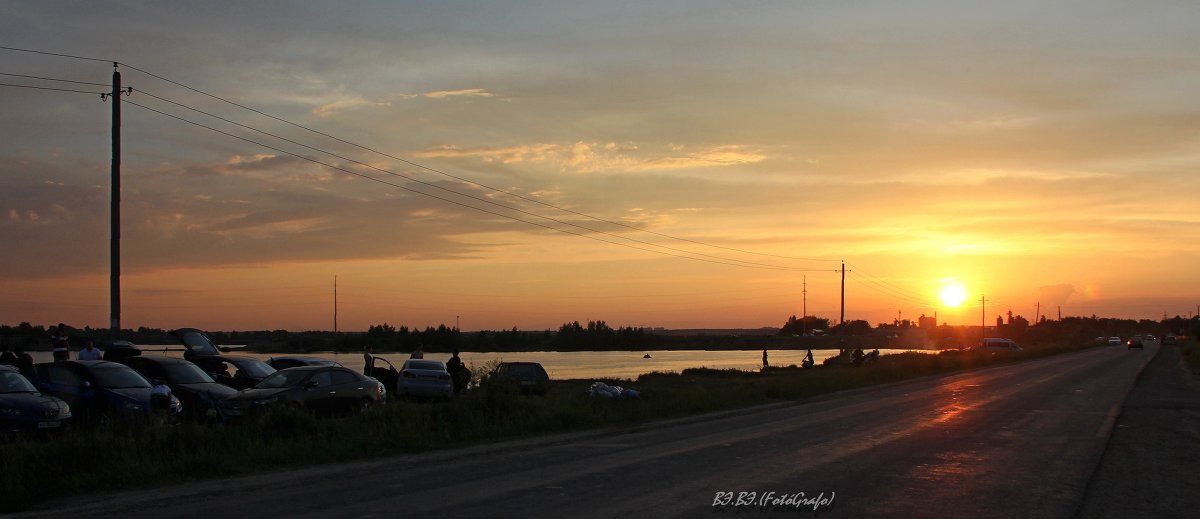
1018	440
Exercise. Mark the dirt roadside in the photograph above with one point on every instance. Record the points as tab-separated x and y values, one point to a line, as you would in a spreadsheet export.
1151	466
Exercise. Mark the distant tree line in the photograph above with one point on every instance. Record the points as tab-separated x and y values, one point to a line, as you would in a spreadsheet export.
598	336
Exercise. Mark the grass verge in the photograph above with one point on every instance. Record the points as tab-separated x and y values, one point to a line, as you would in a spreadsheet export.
122	458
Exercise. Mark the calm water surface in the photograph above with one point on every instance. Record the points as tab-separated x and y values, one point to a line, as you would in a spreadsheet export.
572	364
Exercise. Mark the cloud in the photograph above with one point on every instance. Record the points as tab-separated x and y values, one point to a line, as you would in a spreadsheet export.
466	92
592	157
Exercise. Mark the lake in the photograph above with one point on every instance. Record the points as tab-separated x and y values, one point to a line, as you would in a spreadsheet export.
570	364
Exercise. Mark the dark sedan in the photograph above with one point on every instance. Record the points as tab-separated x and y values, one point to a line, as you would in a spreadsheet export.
198	392
24	409
101	390
236	371
320	389
529	377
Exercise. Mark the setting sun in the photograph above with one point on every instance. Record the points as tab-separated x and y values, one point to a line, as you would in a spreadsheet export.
953	295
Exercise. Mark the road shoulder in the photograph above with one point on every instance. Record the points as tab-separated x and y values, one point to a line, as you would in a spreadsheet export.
1148	467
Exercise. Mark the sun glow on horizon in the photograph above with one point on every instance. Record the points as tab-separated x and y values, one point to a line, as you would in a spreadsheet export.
953	294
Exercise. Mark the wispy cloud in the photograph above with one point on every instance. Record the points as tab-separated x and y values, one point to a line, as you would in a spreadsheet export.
593	157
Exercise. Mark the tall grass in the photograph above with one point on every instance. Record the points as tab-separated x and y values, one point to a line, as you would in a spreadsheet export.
104	460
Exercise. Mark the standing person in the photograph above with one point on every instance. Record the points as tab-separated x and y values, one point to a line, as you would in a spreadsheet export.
89	352
61	343
7	357
418	352
764	358
368	361
24	361
459	374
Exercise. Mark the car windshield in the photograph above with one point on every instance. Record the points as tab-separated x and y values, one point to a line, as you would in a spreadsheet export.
521	370
284	378
432	365
186	373
199	344
14	383
255	368
119	378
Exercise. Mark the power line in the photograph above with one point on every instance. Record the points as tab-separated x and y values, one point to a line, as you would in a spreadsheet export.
434	170
54	79
35	87
44	53
466	195
462	204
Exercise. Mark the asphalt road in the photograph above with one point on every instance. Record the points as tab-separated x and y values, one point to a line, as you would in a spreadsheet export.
1020	440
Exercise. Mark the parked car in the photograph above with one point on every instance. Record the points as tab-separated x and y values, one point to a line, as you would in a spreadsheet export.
421	377
295	362
1000	345
383	371
198	392
24	409
117	350
196	344
321	389
1134	343
235	371
530	377
1114	341
101	390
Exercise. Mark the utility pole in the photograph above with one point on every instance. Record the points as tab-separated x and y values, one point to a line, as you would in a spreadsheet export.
804	312
842	317
1059	312
982	319
114	244
1037	314
335	304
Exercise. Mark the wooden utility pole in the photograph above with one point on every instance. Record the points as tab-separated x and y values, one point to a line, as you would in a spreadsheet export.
842	317
804	310
335	304
114	246
982	319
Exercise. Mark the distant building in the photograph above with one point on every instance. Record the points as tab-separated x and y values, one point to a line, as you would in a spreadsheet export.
927	323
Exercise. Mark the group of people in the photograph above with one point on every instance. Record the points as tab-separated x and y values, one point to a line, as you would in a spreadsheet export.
807	362
60	343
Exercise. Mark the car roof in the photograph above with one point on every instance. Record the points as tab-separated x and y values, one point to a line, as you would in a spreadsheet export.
162	359
521	363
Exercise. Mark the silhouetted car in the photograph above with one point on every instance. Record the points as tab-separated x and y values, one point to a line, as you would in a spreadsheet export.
101	390
321	389
196	344
236	371
23	408
1000	345
295	362
117	350
420	377
530	377
1134	343
198	392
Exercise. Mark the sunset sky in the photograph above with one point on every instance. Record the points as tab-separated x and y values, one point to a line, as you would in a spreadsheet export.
663	164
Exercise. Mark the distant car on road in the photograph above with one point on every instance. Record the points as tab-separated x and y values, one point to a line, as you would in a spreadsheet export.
1134	343
420	377
1114	341
198	392
24	409
530	377
296	361
320	389
101	390
1000	345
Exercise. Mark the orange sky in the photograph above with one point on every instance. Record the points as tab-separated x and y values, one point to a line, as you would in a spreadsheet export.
674	170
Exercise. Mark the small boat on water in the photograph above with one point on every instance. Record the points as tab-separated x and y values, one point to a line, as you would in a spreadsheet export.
647	356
